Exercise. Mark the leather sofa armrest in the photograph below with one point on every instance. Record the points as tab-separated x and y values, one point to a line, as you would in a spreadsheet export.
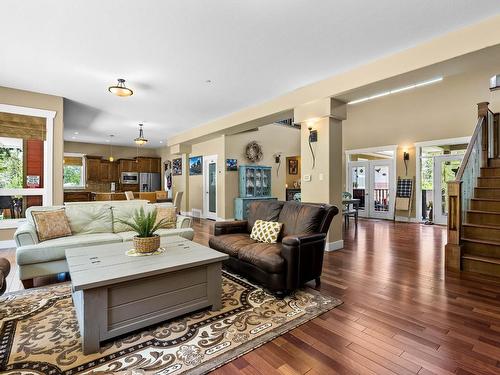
297	250
228	227
297	240
26	235
183	222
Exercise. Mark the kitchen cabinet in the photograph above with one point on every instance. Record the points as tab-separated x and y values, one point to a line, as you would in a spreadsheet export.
148	165
76	196
105	171
128	165
93	168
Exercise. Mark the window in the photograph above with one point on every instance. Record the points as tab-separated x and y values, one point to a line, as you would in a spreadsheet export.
74	171
11	163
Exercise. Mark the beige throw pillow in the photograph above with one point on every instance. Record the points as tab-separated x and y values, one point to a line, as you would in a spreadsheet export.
266	231
51	224
169	214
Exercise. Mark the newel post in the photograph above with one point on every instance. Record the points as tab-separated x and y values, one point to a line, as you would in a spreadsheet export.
453	249
482	111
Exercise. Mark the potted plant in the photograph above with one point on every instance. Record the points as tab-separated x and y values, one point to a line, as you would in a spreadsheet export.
145	225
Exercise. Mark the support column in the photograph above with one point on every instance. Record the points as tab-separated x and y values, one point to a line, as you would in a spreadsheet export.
322	174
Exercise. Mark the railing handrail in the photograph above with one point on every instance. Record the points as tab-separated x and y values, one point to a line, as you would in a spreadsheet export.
470	147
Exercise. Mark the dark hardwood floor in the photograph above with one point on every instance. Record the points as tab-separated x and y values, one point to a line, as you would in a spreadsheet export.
402	314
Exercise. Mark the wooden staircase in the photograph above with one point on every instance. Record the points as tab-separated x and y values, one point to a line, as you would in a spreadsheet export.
474	203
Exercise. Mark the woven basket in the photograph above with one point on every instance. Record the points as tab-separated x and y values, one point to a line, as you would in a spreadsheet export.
146	244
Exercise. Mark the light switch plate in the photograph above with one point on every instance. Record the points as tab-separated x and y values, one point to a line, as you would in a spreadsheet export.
307	177
321	176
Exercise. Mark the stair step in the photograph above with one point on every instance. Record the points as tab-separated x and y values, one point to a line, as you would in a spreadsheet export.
483	217
485	204
481	247
481	264
486	192
481	231
495	163
488	182
490	172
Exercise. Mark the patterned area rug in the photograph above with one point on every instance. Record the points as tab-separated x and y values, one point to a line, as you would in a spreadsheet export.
39	332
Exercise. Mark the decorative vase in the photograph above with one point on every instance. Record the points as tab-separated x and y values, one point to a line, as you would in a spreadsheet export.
146	244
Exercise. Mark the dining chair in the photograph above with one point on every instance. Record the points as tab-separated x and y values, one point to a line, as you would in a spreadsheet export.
347	210
129	195
177	201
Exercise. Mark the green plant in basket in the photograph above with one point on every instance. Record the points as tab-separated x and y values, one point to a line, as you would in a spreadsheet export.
145	225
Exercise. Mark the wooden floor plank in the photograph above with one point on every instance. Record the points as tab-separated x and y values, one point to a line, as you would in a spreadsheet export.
402	312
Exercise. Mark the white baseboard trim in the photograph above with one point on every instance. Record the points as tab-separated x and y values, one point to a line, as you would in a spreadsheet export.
332	246
222	219
7	244
406	219
185	213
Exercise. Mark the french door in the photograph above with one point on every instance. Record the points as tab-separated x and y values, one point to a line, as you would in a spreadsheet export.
445	169
373	183
210	187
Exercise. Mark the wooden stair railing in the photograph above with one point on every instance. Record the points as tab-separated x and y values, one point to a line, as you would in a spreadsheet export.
473	202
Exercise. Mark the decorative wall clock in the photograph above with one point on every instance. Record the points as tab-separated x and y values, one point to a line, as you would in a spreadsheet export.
253	152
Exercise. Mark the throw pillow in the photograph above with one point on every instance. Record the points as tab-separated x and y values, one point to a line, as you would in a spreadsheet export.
266	231
51	224
169	214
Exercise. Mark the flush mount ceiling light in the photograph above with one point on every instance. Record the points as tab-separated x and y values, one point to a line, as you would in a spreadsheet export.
395	91
120	89
140	140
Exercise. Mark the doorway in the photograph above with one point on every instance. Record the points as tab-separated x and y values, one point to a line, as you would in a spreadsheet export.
372	182
210	187
445	169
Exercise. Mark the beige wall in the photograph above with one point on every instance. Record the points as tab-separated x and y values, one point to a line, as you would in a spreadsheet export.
440	111
273	139
123	152
47	102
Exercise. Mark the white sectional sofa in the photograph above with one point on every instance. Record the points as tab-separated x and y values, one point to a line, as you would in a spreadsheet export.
91	224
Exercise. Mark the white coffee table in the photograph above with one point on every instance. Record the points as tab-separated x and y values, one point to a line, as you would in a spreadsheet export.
115	294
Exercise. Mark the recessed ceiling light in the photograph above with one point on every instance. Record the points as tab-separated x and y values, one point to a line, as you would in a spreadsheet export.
75	133
208	81
107	140
161	141
73	137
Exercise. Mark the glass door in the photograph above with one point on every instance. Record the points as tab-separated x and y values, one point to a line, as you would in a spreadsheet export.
381	189
445	169
358	184
210	187
373	183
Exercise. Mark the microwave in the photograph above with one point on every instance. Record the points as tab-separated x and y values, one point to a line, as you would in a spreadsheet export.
130	178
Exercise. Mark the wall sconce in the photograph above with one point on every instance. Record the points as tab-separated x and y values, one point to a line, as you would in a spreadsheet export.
313	137
406	158
277	160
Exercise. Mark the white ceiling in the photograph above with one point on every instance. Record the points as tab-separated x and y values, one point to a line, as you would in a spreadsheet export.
252	51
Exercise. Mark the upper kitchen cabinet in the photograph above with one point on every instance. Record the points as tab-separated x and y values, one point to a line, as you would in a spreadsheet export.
149	165
127	165
93	168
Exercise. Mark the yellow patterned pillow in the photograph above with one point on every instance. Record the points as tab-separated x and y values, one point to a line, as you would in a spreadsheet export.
51	224
266	231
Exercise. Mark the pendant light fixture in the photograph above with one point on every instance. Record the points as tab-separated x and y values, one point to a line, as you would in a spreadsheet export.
120	89
111	158
140	140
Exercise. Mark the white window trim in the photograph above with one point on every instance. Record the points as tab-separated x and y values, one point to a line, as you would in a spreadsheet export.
418	174
84	168
48	150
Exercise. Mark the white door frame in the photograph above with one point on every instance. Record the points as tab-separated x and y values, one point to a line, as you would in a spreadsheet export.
392	179
418	170
388	215
48	151
436	166
365	212
206	161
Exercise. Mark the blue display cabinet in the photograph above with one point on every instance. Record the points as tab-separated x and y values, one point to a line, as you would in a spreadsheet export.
254	184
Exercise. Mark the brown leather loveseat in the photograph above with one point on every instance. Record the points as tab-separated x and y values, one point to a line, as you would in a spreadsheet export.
284	266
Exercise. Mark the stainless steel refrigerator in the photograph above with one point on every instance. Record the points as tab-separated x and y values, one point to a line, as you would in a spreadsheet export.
149	181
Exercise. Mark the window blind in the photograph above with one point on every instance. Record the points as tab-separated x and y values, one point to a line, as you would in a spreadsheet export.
21	126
